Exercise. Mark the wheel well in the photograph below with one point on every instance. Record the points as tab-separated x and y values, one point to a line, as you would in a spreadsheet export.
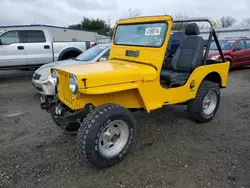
68	53
214	77
229	59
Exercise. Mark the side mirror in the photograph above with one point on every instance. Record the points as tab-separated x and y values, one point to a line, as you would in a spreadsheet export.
1	42
103	59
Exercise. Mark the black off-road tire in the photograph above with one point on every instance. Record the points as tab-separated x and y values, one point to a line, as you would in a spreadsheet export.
194	107
90	131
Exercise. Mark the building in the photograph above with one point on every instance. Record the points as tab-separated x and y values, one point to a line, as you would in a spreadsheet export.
223	33
62	33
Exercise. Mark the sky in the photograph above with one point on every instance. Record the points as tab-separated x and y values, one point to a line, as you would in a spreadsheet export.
67	12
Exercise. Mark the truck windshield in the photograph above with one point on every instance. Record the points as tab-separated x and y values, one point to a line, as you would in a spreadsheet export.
91	53
148	34
225	45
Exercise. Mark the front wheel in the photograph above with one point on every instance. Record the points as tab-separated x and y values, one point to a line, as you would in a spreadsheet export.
106	135
205	105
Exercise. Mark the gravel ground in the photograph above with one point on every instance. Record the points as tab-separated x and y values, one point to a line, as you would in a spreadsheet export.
172	150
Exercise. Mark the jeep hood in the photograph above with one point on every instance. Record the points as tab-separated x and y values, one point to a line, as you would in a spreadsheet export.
110	73
44	70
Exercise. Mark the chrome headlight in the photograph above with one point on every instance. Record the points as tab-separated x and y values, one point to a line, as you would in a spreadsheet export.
73	84
55	77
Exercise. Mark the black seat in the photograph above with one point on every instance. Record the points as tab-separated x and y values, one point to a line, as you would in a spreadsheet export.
188	56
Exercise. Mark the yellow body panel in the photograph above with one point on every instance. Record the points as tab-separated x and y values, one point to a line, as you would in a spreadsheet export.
129	82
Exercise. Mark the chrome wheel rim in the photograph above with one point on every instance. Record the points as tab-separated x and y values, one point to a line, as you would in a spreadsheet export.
209	102
113	138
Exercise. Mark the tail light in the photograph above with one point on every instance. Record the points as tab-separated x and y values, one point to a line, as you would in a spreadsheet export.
93	44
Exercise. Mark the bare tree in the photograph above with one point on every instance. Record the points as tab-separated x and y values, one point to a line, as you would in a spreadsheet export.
246	21
132	13
226	21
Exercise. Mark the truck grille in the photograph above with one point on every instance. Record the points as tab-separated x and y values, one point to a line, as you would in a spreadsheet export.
39	89
36	76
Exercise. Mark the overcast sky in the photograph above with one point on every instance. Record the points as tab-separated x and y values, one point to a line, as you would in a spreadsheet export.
66	12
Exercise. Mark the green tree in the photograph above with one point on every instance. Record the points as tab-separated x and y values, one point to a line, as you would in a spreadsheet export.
99	25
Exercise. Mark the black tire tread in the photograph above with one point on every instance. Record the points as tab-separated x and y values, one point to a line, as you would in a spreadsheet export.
193	106
84	139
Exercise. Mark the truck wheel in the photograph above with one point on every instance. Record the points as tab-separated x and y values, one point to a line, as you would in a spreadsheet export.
205	105
105	136
70	129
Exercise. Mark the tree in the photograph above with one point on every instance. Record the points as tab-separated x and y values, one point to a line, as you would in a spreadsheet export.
99	25
179	25
215	25
132	13
226	21
246	22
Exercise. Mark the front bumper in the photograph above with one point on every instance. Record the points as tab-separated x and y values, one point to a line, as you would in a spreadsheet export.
65	118
46	87
48	103
63	114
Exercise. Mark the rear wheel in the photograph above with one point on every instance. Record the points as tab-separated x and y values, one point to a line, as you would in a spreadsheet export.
204	107
106	135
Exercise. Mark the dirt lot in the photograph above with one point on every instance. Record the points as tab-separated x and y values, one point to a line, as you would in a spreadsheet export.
172	150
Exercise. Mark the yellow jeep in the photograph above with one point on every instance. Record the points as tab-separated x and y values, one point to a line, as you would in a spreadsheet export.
97	99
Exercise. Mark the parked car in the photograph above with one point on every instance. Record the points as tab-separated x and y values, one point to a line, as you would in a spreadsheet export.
42	80
235	50
22	48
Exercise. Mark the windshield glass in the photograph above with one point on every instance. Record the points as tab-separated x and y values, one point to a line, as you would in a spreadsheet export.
91	53
1	32
225	45
150	34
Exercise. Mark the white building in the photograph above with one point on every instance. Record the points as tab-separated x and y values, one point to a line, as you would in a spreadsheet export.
62	33
223	33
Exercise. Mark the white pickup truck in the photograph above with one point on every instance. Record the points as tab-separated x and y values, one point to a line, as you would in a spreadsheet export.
31	48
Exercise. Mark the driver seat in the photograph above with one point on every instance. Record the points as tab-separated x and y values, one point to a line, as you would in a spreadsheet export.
188	56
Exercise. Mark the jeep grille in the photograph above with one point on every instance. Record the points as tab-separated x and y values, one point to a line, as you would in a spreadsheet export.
65	93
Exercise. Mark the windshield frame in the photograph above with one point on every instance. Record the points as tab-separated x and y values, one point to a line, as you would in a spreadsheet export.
141	23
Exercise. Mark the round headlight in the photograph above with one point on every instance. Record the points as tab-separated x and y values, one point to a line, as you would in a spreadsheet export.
55	77
73	84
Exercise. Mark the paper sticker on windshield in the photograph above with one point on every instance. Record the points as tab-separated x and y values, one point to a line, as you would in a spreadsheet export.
153	31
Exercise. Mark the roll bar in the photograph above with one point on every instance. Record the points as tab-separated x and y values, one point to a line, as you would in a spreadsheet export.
211	34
